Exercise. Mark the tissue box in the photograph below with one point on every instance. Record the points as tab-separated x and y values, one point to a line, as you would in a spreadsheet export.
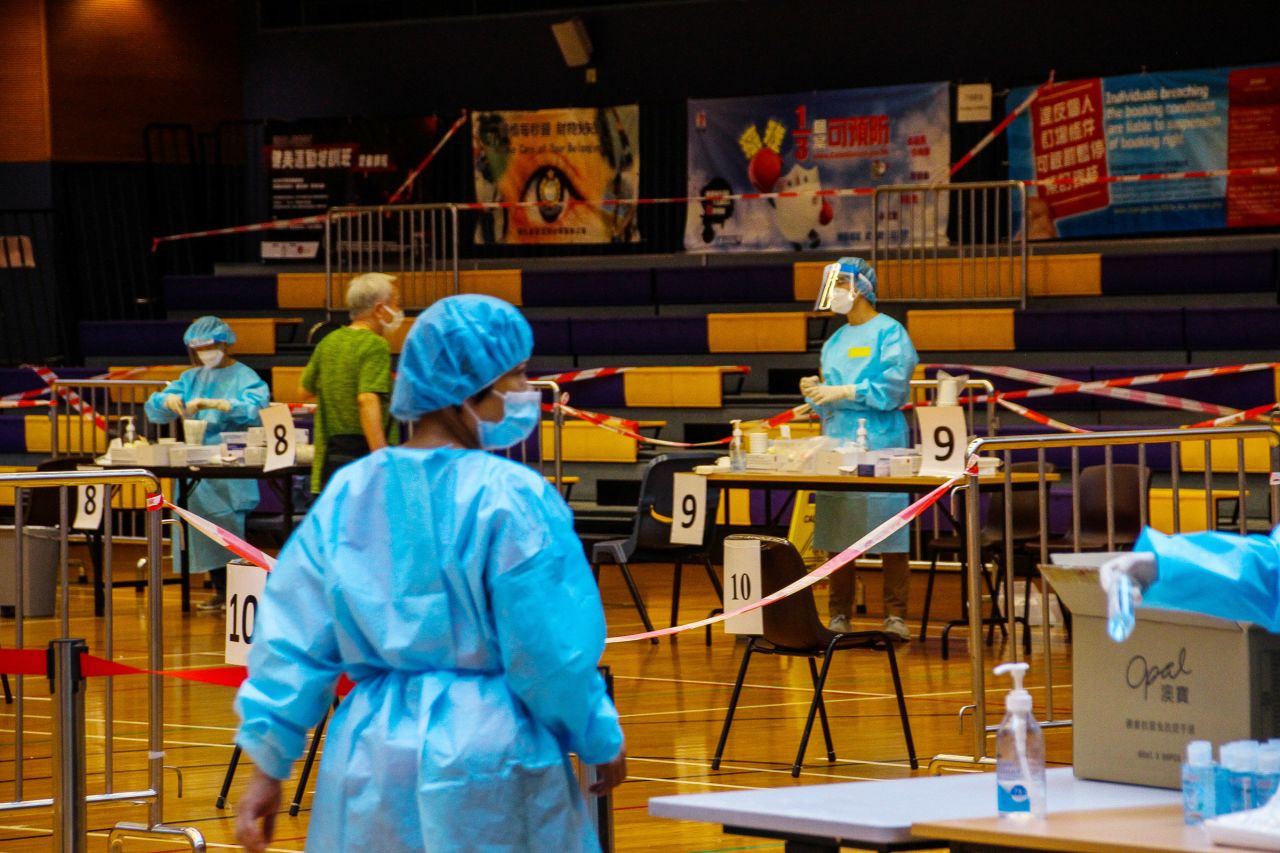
1179	677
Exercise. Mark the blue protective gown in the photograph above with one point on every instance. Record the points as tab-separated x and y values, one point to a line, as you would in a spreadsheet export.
878	359
450	586
224	502
1217	574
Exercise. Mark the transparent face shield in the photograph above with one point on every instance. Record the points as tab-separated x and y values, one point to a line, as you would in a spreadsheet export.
834	274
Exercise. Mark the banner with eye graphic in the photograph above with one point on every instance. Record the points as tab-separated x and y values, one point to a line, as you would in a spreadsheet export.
563	175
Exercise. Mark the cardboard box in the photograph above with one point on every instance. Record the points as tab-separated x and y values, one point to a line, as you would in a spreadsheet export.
1179	677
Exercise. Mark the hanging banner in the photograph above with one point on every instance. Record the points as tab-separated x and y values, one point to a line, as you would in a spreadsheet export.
315	164
807	142
1182	121
583	165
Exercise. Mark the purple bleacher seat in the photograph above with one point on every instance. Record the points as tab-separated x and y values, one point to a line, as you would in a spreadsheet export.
220	292
551	337
132	337
640	335
710	285
1085	331
13	431
551	288
604	392
1190	272
15	380
1254	327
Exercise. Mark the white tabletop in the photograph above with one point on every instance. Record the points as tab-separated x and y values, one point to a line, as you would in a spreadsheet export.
883	812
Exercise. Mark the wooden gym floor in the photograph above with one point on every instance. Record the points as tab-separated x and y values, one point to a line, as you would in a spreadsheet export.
672	698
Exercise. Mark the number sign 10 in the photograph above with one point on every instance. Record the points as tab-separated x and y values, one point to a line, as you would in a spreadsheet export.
245	585
742	584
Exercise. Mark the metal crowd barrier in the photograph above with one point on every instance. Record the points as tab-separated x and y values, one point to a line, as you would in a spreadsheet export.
985	259
418	243
69	759
1181	442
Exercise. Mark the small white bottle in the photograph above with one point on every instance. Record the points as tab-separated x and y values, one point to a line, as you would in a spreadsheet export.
130	434
1020	783
862	439
785	431
737	453
1198	783
1241	763
1267	780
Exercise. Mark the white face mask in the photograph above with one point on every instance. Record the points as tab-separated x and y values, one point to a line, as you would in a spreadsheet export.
210	357
397	318
841	301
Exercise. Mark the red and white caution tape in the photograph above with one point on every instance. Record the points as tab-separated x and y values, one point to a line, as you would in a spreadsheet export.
839	561
413	175
1000	128
275	225
73	399
1229	420
225	538
25	404
630	429
1119	388
1038	417
1242	172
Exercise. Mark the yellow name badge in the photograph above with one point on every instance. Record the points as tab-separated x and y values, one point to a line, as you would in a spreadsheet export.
859	352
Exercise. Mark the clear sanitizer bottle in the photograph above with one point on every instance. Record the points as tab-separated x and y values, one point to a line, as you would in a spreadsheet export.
862	439
737	453
1019	753
1267	780
1198	783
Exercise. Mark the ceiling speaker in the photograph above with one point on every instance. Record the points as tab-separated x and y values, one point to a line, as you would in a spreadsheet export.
575	44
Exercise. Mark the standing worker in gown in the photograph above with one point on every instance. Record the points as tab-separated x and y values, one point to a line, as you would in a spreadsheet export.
449	585
226	395
866	374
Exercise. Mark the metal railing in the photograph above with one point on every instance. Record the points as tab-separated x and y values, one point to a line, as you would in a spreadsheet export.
520	452
154	791
950	242
418	243
1179	442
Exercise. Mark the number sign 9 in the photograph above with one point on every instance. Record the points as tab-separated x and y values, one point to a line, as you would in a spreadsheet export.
943	436
689	500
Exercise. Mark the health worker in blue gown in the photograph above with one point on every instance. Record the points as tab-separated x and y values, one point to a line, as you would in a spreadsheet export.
1218	574
448	583
227	396
866	374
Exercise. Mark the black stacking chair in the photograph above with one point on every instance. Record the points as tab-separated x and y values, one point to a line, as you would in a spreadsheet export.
793	628
650	540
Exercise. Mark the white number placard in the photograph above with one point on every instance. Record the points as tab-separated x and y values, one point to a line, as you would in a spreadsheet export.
742	585
245	583
281	440
688	509
89	502
944	436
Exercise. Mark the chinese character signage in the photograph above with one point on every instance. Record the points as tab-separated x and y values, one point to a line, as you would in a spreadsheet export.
580	166
806	142
1204	120
316	164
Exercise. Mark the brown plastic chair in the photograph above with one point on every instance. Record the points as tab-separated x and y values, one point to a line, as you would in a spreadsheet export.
1129	487
1026	528
793	628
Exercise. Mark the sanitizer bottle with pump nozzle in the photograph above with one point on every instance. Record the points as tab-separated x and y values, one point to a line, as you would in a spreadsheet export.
1198	783
862	439
737	453
1019	753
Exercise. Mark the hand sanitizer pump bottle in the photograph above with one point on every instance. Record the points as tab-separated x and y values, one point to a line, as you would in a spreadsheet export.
1019	753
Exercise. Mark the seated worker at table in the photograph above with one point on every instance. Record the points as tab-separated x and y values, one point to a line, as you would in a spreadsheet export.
226	395
866	372
448	583
350	375
1218	574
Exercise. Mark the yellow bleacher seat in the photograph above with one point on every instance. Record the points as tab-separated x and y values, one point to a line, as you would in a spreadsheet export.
775	331
585	442
285	387
1224	456
75	435
962	329
6	492
672	387
257	335
1047	275
300	290
504	284
1191	508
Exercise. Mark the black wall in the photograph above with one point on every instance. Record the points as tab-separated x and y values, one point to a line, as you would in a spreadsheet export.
668	52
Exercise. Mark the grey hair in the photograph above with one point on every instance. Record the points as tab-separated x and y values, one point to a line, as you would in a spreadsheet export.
366	291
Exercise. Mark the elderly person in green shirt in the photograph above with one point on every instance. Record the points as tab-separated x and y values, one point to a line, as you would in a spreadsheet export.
349	374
